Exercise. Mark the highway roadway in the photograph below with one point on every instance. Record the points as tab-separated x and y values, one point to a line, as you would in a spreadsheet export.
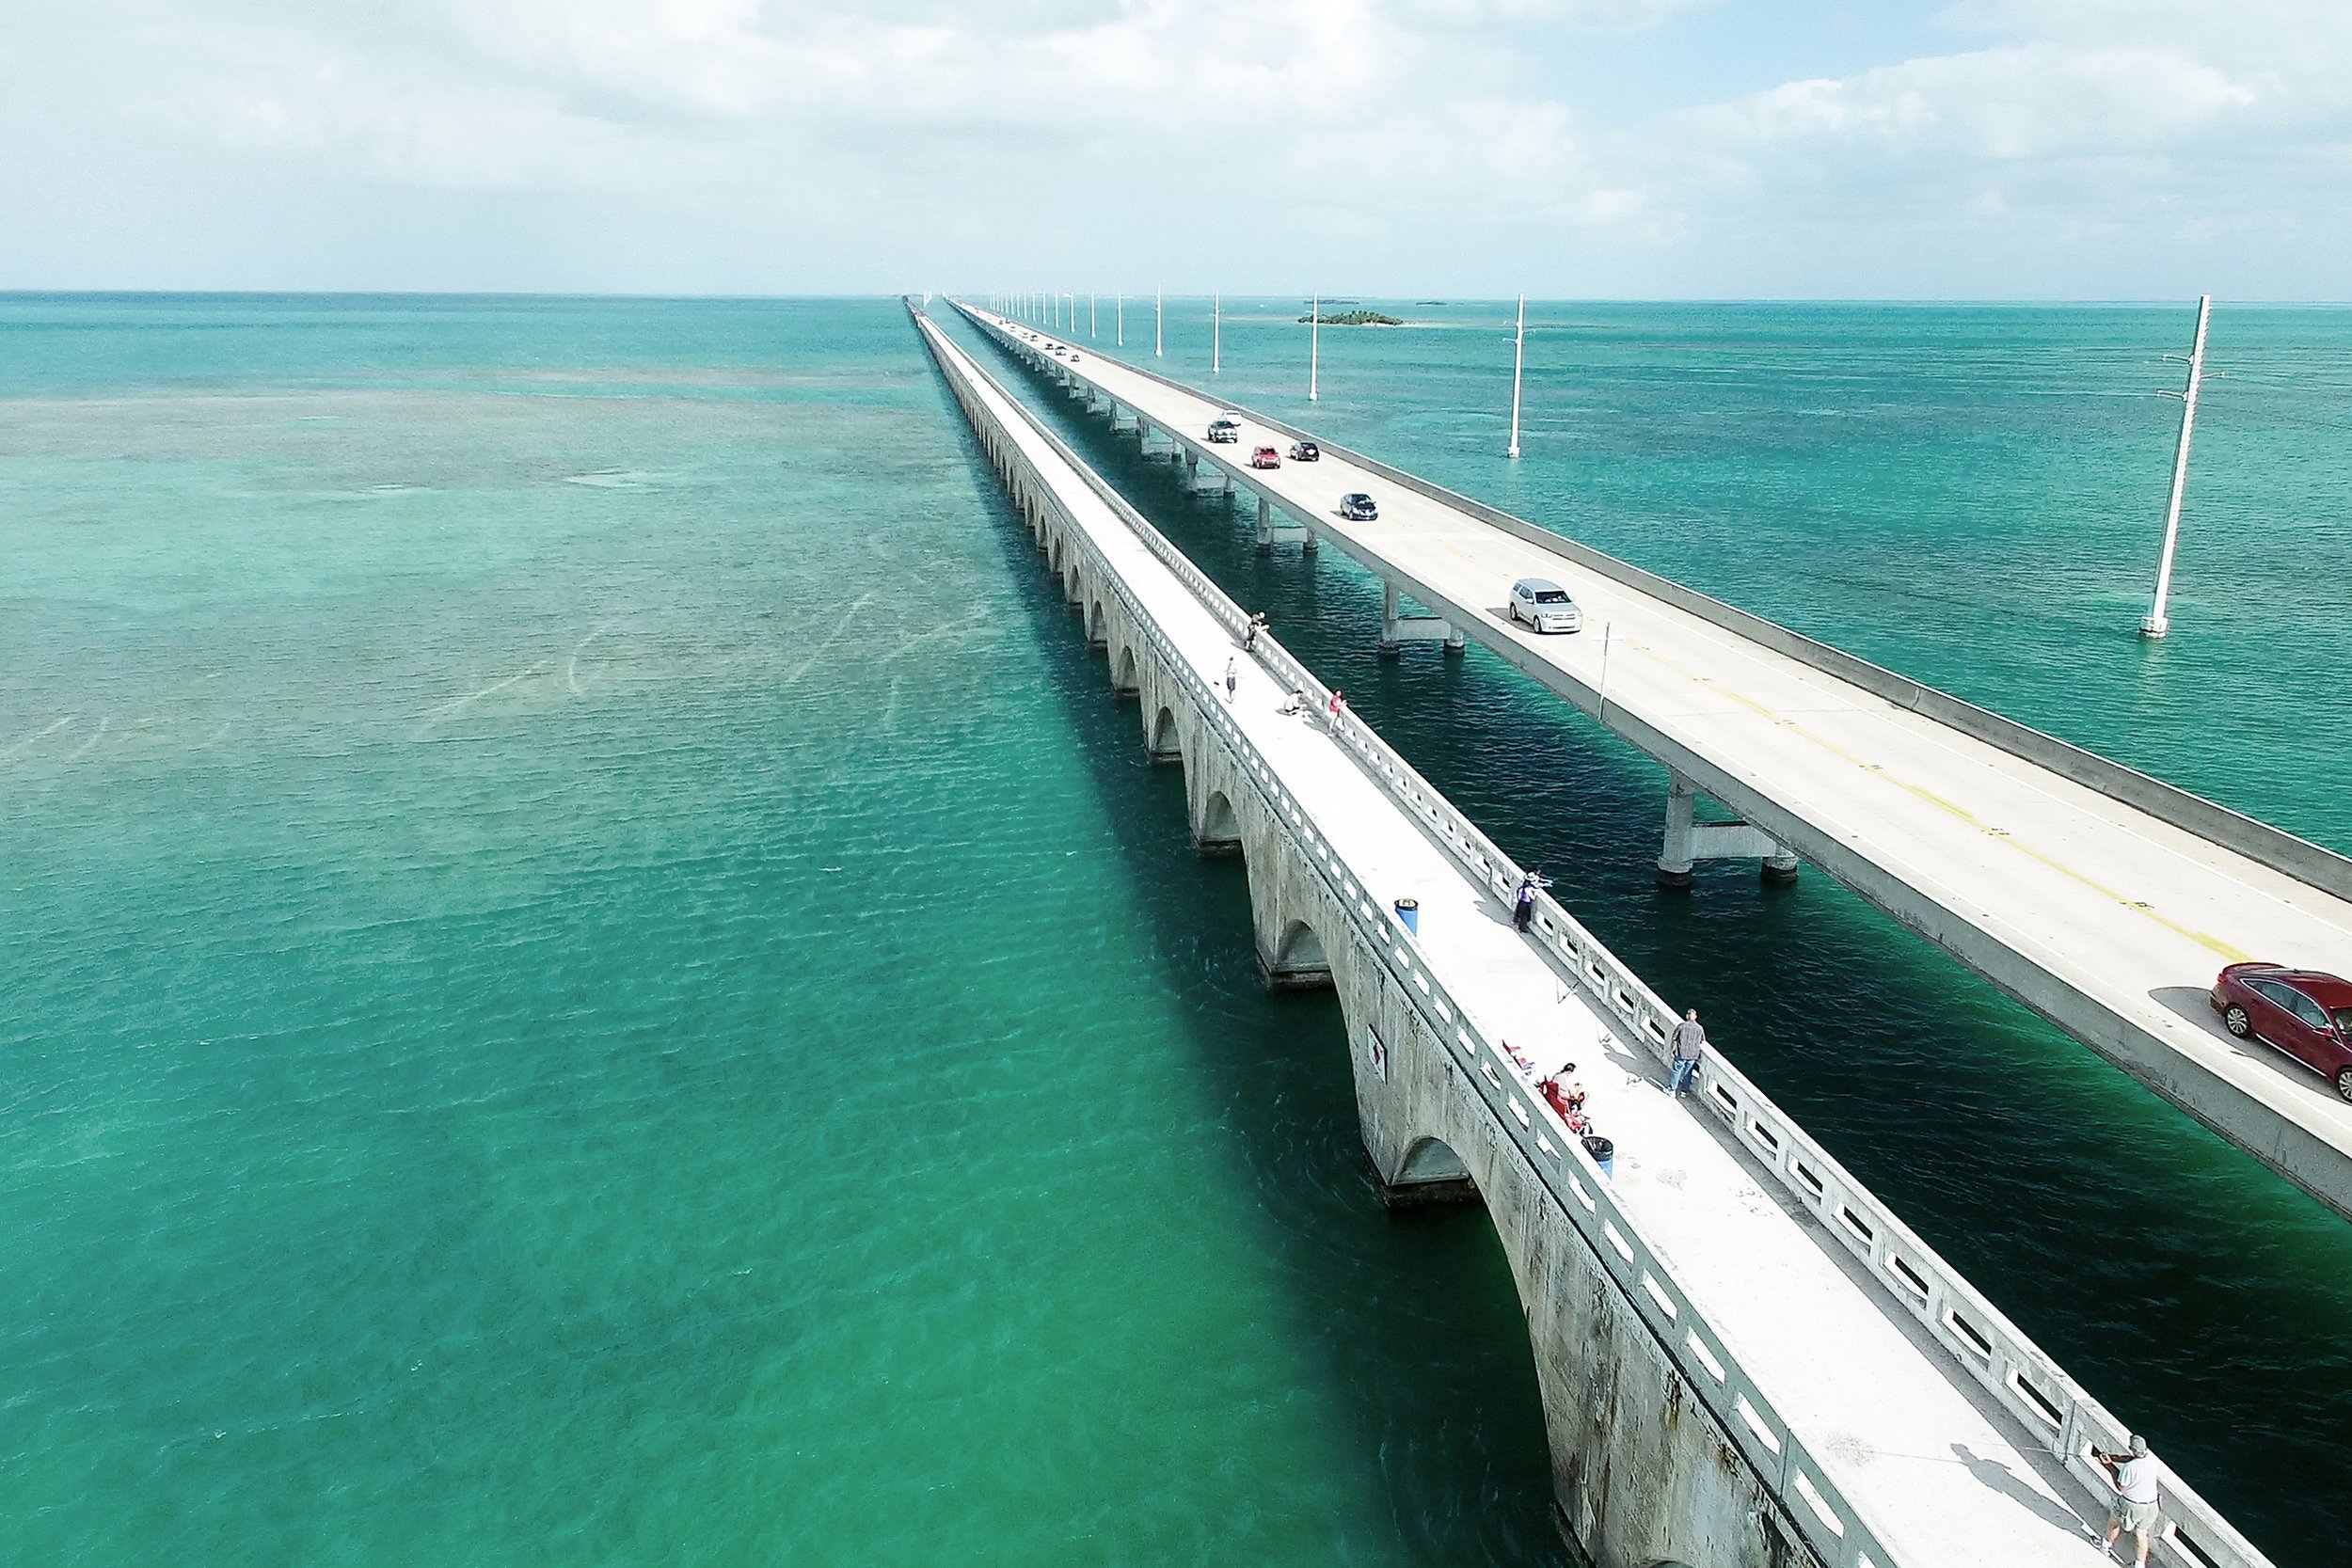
2107	918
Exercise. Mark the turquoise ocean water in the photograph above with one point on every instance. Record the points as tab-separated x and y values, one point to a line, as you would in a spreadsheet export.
593	976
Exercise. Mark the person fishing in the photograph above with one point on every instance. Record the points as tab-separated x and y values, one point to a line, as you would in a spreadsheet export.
1524	905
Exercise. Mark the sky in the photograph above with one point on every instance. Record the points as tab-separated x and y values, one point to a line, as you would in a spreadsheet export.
1565	149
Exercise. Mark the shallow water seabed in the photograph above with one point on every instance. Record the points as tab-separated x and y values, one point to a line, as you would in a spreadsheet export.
569	1022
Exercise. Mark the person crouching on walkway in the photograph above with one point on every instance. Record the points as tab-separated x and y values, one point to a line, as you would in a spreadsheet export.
1690	1040
2134	1508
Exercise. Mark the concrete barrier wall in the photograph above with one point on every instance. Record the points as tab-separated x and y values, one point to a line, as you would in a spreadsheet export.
2217	824
1975	1334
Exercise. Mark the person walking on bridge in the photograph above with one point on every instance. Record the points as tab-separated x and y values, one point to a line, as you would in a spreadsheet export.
2133	1477
1233	678
1689	1039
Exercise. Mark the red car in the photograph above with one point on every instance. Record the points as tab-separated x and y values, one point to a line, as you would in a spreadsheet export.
1266	457
2304	1013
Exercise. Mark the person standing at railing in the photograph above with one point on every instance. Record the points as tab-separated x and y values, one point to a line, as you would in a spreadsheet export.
1690	1040
1336	705
2133	1473
1249	633
1523	906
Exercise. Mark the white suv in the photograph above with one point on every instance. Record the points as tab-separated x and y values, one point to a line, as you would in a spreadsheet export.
1545	606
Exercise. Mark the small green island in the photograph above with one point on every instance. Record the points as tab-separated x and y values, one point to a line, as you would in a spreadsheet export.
1355	318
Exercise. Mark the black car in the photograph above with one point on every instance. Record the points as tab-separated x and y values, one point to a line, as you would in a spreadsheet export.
1304	451
1357	507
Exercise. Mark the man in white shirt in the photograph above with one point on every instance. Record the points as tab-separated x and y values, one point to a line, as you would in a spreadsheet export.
2134	1476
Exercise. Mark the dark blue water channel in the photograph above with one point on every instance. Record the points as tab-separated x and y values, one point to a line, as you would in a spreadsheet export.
2201	1297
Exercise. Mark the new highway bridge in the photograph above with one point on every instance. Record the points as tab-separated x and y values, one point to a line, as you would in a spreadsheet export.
2103	899
1744	1356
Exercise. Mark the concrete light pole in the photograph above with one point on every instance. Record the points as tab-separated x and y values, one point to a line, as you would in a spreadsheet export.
1217	334
1093	302
1314	342
2157	622
1118	314
1518	365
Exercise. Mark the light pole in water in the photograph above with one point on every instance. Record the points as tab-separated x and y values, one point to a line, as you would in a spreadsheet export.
1119	316
1217	334
1314	341
1519	364
1092	303
2157	622
1159	336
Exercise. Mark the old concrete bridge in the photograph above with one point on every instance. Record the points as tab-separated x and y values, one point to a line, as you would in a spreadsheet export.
1745	1358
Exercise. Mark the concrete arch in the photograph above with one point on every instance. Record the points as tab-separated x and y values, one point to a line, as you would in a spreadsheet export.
1098	625
1431	1173
1215	829
1124	683
1165	740
1299	961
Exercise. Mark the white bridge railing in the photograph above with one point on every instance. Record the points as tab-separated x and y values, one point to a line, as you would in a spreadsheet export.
2028	1383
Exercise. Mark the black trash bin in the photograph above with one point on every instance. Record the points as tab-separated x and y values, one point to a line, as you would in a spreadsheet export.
1604	1155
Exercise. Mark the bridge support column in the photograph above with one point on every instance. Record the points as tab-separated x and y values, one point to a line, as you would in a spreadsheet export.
1689	841
1266	526
1398	629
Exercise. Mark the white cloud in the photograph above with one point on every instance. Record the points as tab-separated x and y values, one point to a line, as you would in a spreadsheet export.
818	143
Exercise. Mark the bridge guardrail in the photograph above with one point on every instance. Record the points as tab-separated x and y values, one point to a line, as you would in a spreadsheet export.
1993	1351
2258	840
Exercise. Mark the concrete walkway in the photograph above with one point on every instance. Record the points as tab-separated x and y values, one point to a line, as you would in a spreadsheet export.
1941	1477
2108	919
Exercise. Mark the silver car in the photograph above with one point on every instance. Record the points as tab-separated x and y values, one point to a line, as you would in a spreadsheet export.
1545	606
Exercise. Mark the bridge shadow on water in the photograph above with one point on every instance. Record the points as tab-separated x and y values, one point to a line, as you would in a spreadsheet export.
2194	1291
1413	1318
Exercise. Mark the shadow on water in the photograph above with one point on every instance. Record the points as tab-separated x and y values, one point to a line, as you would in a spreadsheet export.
2197	1294
1415	1318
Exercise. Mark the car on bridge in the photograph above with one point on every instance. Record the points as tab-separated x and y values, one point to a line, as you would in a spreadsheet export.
1266	457
1545	606
1224	430
2304	1013
1357	507
1306	451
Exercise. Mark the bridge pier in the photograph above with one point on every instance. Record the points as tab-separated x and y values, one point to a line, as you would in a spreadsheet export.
1266	526
1397	629
1689	841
